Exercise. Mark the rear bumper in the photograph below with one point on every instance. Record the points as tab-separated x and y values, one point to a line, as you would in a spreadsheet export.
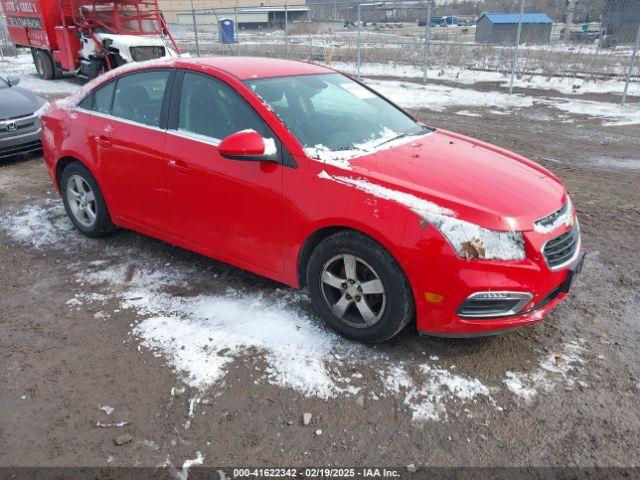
20	144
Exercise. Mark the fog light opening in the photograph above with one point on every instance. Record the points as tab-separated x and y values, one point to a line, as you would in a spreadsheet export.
493	304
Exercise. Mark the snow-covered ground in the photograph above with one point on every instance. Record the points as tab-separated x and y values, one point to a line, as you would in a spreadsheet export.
202	334
567	86
22	66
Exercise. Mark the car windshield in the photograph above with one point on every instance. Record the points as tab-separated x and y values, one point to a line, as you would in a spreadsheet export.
333	112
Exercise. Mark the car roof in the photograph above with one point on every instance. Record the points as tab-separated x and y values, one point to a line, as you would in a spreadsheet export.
246	68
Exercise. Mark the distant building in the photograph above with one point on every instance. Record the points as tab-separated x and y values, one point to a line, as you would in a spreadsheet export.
249	13
502	28
621	20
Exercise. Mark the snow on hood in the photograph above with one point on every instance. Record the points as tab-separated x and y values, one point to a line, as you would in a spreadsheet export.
340	158
471	177
504	246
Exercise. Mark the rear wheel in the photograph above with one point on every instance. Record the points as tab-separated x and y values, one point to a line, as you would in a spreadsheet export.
84	202
44	63
359	288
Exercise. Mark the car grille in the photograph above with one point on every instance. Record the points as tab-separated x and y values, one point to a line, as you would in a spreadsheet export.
140	54
552	217
23	125
562	249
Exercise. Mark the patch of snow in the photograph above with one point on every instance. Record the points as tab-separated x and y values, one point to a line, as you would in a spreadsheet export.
112	425
340	158
106	409
40	225
467	113
440	97
565	219
183	474
565	85
552	370
614	113
421	207
426	396
617	163
270	146
515	385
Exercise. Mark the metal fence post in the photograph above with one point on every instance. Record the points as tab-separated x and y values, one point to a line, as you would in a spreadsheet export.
631	65
427	43
286	30
359	26
237	30
571	10
195	28
515	50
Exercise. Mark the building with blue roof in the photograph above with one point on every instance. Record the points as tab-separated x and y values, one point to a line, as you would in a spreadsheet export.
502	28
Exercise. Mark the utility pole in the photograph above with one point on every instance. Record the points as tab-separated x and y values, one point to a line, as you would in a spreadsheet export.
195	28
517	47
427	43
359	26
631	64
571	10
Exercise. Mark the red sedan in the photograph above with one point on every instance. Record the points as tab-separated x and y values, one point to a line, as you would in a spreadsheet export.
304	175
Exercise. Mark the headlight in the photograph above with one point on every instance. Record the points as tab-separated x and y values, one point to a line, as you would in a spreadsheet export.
42	109
472	241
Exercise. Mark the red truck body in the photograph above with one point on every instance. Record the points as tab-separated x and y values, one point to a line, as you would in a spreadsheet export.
32	22
55	29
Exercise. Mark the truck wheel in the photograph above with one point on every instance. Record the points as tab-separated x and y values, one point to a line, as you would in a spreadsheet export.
358	288
44	64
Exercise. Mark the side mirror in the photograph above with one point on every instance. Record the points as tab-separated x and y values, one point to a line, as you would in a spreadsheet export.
13	81
248	145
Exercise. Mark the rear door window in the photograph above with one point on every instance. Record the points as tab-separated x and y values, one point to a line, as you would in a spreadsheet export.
138	97
102	98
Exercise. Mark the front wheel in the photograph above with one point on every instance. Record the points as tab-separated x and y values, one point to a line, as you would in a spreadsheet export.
358	288
84	202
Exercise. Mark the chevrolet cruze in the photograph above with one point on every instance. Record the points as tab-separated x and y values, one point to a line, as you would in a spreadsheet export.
309	177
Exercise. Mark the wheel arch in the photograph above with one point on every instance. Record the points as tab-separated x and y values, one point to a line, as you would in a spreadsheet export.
322	232
64	161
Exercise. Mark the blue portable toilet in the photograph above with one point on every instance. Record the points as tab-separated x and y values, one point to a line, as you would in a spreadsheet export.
227	31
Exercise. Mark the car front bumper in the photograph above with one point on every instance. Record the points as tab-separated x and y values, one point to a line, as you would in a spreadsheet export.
21	141
439	296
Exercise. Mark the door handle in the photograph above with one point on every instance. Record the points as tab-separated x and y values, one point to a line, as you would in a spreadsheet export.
180	167
103	141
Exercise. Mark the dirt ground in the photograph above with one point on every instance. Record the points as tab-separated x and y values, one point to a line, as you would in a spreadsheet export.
60	359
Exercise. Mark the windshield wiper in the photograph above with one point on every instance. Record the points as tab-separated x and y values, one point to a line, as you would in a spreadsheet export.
406	134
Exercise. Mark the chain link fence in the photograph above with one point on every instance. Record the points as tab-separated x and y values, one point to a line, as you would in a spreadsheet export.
6	44
518	42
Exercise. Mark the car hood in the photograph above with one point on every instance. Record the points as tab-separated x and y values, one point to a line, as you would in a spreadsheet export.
481	183
16	102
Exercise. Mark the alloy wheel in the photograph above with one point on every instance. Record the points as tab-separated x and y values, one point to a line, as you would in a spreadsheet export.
353	291
82	200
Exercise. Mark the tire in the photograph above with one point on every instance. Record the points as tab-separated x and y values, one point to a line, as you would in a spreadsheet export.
44	64
84	202
375	270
